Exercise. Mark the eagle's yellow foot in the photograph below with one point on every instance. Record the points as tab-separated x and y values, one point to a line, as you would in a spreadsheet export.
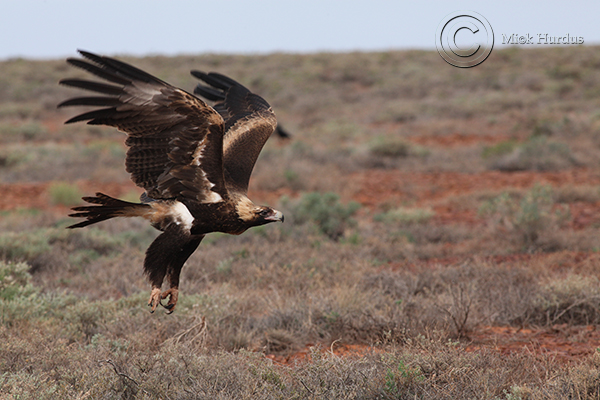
154	299
173	295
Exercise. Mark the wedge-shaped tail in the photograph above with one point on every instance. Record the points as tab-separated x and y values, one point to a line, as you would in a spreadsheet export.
107	207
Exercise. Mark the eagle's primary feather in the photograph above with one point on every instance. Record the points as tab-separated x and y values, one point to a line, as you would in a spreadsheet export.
194	161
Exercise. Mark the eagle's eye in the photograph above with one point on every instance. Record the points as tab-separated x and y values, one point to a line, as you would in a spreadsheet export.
264	212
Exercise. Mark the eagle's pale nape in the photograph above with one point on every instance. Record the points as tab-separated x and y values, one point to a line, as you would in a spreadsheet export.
193	161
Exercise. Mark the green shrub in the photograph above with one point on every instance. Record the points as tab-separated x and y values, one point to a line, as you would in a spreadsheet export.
95	239
538	154
402	378
15	280
530	217
23	246
406	216
325	210
64	194
499	149
82	246
383	147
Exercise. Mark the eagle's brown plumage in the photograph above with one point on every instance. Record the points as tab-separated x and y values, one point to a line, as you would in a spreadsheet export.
193	161
239	108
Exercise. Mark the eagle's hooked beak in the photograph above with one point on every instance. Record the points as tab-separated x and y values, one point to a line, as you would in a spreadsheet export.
276	216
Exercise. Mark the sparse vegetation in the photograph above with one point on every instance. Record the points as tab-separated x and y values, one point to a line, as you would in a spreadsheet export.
64	194
538	153
529	218
499	149
15	280
405	215
325	210
389	148
440	238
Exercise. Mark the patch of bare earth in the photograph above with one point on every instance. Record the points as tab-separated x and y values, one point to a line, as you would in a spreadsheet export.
36	195
337	349
565	343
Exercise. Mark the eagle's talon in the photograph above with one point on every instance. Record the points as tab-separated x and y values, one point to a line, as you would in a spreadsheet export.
154	299
168	306
173	295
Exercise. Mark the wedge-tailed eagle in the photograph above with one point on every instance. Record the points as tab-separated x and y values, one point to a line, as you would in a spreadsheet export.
193	161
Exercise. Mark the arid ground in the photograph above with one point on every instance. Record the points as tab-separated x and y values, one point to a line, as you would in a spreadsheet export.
440	238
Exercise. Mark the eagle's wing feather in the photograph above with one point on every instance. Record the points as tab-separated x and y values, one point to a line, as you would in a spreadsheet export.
249	121
175	140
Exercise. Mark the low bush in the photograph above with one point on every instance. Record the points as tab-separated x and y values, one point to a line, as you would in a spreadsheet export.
499	149
538	154
528	218
15	280
64	194
574	300
382	147
405	216
330	216
24	246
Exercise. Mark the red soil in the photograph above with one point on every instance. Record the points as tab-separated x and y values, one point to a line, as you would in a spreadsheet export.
584	215
337	349
563	342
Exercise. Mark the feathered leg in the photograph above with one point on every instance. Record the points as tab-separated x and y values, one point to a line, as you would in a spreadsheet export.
156	262
174	270
166	255
164	249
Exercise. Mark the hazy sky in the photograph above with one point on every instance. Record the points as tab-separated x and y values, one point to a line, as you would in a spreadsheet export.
53	29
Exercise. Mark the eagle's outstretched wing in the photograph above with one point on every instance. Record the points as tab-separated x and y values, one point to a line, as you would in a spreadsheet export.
249	121
175	139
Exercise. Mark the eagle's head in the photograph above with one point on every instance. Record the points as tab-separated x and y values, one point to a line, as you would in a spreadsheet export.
264	215
254	215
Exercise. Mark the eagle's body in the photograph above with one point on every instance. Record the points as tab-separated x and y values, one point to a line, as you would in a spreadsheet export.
194	161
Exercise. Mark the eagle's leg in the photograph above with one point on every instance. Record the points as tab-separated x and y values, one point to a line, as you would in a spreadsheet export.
159	255
174	271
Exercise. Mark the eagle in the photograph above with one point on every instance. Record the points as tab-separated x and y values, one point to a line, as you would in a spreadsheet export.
193	161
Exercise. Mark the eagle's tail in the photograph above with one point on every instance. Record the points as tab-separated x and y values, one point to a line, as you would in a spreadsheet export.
108	207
